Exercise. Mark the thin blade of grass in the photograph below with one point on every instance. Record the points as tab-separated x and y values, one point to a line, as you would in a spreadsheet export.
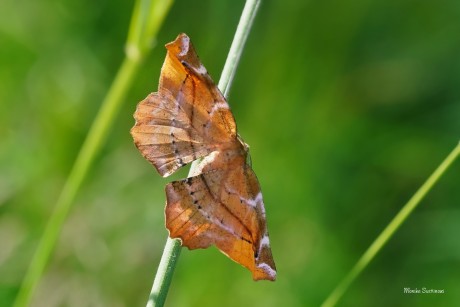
95	139
391	228
172	249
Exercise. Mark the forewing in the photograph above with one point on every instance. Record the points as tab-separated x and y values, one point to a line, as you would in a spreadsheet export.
188	81
187	118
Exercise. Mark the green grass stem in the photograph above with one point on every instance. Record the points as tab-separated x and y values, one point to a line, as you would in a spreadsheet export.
172	249
391	228
96	137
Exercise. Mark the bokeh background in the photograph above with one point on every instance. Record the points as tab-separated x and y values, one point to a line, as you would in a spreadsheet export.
348	107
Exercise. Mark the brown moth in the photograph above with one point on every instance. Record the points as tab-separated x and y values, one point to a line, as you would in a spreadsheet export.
188	119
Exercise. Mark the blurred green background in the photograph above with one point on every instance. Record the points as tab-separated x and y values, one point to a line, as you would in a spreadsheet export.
348	107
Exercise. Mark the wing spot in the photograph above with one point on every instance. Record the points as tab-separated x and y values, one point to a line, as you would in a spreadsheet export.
199	207
195	202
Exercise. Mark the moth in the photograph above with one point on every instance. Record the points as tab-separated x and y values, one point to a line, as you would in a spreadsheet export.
188	119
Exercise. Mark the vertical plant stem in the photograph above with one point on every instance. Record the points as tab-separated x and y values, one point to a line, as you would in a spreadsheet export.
172	249
95	139
391	228
73	183
165	272
236	49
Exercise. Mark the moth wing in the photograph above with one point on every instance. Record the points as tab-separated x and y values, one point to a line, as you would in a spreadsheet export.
187	118
225	208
